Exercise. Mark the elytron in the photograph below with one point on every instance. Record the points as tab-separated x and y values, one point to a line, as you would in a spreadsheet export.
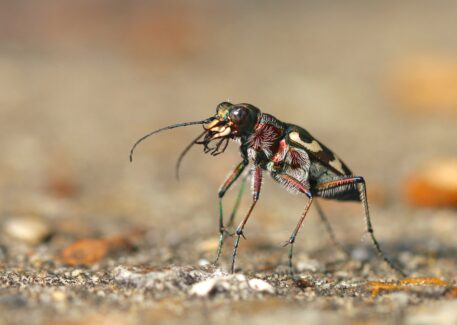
289	153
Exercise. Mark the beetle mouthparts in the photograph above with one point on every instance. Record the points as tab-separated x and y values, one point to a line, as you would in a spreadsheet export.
213	124
221	132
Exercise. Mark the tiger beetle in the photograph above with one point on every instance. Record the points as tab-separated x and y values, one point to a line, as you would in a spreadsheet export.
292	157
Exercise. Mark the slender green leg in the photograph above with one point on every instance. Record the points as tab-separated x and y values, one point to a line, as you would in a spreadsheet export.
256	187
221	230
238	200
231	179
224	234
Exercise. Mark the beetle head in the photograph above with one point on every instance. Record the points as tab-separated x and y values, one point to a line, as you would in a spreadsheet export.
233	120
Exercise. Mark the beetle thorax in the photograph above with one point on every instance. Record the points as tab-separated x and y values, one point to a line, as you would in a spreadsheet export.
265	138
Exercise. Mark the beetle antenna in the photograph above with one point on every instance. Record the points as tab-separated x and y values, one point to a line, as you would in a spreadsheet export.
166	128
184	152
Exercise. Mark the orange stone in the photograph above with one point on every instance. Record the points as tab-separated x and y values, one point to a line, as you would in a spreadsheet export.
434	185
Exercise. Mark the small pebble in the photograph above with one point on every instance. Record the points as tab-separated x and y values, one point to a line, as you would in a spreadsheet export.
435	185
58	296
76	273
203	288
31	231
203	262
261	286
229	283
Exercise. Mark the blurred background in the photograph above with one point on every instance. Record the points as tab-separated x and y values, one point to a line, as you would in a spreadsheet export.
80	81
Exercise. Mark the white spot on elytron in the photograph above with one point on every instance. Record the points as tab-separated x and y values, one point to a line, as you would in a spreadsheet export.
336	163
314	146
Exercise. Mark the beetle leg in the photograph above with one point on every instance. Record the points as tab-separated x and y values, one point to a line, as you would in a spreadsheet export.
230	180
291	181
359	182
256	187
232	215
238	200
297	228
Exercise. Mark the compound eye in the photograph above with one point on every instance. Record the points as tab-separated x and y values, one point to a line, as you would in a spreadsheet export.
222	106
239	115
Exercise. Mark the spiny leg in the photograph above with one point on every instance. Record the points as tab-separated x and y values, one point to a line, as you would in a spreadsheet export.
326	188
293	182
238	200
293	236
230	180
361	186
232	215
256	187
329	229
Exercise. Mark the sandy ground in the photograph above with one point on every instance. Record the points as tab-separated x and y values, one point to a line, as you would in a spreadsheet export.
68	119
